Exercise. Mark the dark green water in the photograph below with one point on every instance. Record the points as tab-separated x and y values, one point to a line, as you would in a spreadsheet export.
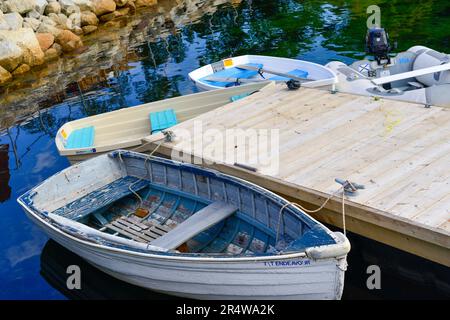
147	58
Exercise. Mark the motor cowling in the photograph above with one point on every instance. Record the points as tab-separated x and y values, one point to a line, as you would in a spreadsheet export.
377	44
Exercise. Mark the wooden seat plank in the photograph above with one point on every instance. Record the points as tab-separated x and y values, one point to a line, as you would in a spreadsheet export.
198	222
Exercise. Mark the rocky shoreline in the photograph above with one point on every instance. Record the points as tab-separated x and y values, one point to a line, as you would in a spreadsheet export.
33	32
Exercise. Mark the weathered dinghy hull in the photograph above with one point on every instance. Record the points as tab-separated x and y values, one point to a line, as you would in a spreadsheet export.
309	267
85	138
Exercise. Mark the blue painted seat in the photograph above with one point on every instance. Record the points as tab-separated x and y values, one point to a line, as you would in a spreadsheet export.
162	120
101	198
81	138
297	72
233	73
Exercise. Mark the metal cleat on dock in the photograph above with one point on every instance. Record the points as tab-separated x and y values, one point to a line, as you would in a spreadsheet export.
350	188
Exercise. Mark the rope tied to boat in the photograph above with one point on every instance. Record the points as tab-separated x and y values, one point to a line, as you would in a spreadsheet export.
168	137
347	187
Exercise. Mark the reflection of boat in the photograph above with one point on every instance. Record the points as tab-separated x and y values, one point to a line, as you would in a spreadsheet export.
125	128
252	68
419	75
187	231
95	284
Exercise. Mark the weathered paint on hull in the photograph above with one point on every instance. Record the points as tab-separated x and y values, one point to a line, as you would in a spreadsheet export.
322	279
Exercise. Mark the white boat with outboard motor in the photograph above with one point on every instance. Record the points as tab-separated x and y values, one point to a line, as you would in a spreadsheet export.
247	69
418	75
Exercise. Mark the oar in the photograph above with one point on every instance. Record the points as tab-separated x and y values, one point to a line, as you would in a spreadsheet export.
275	72
233	79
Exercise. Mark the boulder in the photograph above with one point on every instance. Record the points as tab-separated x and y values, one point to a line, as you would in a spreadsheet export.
57	47
40	6
5	76
61	20
84	5
33	14
3	24
75	20
88	18
14	20
102	7
121	3
124	11
89	29
31	23
51	54
146	3
68	41
27	41
110	16
48	28
11	55
45	40
19	6
70	9
77	30
53	7
23	68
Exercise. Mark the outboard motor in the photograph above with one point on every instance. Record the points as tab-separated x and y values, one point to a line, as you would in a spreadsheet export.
377	44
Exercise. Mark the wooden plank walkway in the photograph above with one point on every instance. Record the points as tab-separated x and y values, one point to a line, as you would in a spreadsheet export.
400	151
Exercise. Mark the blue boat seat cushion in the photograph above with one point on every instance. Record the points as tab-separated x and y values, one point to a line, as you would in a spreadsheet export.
81	138
233	72
296	72
161	120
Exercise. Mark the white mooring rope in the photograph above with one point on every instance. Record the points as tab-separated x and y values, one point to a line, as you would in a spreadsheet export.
315	210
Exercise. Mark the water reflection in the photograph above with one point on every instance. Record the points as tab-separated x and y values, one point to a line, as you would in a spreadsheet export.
95	284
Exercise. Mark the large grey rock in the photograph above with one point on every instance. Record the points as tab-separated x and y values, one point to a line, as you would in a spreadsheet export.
11	55
33	14
62	21
31	23
75	20
48	28
52	7
40	6
27	41
14	20
48	20
20	6
70	10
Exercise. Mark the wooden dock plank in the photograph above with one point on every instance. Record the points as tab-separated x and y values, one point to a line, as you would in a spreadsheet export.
399	151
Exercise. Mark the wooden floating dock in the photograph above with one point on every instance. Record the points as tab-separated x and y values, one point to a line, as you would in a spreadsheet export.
399	151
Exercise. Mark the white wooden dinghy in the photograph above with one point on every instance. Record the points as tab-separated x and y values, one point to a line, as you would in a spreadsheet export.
247	69
419	75
123	129
203	234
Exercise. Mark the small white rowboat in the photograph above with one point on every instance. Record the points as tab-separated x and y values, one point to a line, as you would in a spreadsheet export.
247	69
81	139
186	231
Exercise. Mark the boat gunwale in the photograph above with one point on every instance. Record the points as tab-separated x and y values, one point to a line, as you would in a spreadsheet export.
306	219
